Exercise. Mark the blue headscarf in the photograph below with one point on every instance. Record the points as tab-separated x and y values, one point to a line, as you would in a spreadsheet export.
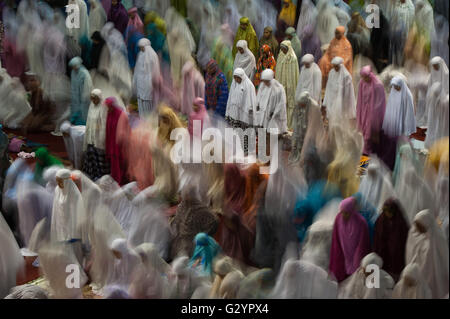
368	211
158	40
306	208
132	45
206	248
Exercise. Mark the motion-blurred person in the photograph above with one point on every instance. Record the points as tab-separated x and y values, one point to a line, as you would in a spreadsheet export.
97	16
291	35
401	22
216	90
269	39
412	284
118	15
81	86
193	86
310	78
287	73
266	61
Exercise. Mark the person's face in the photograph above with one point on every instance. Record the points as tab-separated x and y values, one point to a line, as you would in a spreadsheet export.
388	212
402	1
75	67
237	79
346	215
163	121
409	282
337	67
267	34
60	182
33	84
210	70
286	4
338	34
95	99
243	26
420	228
131	15
265	55
302	105
397	87
289	36
307	65
436	67
267	82
366	78
114	2
95	41
196	108
241	50
142	49
117	254
284	49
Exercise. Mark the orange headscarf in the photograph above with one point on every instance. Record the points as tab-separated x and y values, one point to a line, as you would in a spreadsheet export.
341	48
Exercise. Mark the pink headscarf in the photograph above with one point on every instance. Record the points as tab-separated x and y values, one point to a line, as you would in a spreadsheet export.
350	242
135	21
200	115
370	106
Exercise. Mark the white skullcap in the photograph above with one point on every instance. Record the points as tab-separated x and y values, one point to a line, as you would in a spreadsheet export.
372	259
76	174
97	92
65	127
267	74
337	60
242	44
435	60
308	58
63	173
144	42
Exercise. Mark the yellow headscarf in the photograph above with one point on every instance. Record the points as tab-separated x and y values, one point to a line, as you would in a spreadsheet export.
248	35
153	17
287	14
167	114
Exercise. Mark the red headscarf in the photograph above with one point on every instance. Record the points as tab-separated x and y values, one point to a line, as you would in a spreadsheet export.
113	151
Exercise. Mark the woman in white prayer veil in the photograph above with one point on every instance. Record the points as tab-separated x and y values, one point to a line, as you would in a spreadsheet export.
376	185
310	79
222	267
10	258
438	124
271	104
414	194
412	284
67	209
308	17
15	106
184	280
303	280
54	260
439	73
230	285
399	118
439	39
34	203
339	99
245	59
49	176
83	30
256	285
327	21
146	73
97	16
355	287
428	247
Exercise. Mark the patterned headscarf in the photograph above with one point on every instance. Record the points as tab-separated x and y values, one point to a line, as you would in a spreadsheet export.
213	82
264	63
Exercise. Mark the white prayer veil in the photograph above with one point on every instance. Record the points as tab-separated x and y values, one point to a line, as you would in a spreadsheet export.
246	60
411	285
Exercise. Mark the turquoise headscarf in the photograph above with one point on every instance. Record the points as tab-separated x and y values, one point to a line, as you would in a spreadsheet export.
206	248
406	151
368	212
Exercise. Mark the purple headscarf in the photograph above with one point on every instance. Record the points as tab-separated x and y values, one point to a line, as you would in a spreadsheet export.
350	242
311	43
119	16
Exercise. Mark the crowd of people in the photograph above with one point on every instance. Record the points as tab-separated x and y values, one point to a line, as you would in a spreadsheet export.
353	176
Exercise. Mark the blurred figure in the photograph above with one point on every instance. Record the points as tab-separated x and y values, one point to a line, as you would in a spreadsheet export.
287	72
286	18
355	287
146	75
247	33
95	164
428	247
97	16
348	248
399	118
118	15
206	250
193	86
339	100
43	161
216	89
311	43
307	18
412	284
269	39
81	86
401	22
167	122
291	35
391	233
370	107
327	21
198	114
380	42
15	107
339	47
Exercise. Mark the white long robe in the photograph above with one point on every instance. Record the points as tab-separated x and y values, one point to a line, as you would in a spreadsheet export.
245	60
241	99
310	80
272	107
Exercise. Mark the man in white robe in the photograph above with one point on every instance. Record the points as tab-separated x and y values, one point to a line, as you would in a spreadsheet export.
310	79
339	100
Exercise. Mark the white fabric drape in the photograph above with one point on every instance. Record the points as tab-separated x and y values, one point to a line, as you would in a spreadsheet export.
241	99
310	79
245	60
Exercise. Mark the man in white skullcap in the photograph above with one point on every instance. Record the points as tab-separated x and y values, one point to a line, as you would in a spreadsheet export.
339	100
310	79
271	103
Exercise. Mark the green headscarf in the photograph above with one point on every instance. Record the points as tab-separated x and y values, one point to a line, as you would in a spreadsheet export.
44	160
